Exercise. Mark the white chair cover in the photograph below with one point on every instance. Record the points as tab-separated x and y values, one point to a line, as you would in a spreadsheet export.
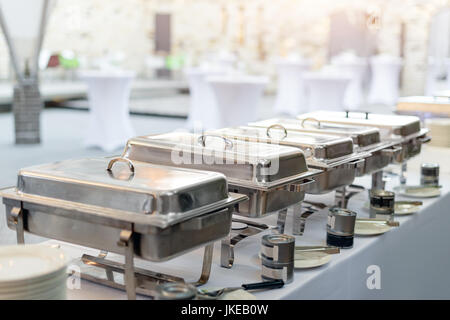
108	94
290	98
384	83
356	68
325	90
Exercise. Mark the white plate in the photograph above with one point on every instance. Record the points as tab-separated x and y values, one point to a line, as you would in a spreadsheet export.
417	191
27	264
404	208
310	259
363	228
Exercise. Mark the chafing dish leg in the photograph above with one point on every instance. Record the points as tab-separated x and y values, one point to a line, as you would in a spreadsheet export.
377	180
281	221
228	244
206	267
129	278
17	214
298	225
340	198
404	168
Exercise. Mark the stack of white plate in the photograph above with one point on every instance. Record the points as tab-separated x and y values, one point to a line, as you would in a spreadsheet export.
32	272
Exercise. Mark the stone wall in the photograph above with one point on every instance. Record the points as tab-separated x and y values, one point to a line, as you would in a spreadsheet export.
257	30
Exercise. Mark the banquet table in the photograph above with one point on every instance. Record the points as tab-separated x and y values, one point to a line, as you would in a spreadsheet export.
108	93
413	258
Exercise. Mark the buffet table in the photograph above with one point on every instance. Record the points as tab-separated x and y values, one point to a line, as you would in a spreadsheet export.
413	258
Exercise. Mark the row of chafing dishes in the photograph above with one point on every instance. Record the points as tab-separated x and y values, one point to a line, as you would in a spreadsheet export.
171	193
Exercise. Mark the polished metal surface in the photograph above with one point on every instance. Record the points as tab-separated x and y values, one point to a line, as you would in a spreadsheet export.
272	176
330	153
361	136
170	210
388	124
244	163
399	130
161	195
341	221
325	147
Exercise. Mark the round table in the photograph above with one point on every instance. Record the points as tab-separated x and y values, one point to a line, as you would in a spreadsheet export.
237	98
356	68
108	94
325	91
203	112
384	83
290	98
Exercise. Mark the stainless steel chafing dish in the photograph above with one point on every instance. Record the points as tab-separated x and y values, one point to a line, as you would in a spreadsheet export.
139	209
403	130
365	139
332	154
272	176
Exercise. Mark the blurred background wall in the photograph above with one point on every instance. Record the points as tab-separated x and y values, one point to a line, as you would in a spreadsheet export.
255	30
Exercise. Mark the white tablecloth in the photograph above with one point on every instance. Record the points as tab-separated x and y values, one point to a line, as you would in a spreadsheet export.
108	94
290	98
414	258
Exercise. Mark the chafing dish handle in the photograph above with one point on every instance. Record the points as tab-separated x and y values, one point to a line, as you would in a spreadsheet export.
310	119
274	126
347	112
358	164
392	151
202	140
301	184
127	161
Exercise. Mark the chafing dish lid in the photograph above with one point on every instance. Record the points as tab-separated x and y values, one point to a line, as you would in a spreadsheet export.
322	147
362	136
254	165
152	190
388	124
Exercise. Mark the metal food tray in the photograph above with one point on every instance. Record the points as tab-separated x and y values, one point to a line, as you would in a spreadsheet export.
397	129
332	154
365	139
268	192
169	210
